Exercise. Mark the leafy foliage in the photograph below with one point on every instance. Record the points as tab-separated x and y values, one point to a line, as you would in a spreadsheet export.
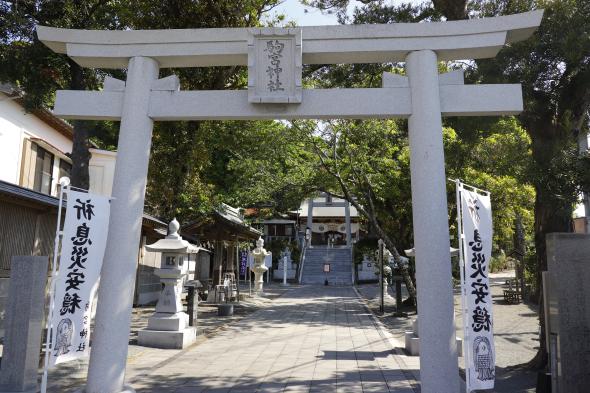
38	72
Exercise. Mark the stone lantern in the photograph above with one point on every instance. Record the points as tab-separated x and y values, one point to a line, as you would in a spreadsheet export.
387	271
168	326
259	254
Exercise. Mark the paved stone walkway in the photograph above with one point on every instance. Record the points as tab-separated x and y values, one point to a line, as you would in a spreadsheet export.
515	333
313	339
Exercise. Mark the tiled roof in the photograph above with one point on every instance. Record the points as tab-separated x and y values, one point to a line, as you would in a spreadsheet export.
19	192
22	193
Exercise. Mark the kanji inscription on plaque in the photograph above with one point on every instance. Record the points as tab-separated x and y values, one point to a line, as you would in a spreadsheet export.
274	65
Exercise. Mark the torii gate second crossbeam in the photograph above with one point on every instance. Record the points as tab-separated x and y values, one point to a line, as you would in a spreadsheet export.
274	57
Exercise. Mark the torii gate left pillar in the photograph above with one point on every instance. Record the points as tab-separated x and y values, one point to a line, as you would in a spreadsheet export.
423	97
117	277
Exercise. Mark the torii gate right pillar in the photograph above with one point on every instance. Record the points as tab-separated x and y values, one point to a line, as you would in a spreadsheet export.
438	355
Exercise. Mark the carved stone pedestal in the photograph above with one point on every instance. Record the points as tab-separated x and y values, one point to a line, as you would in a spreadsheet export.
168	327
412	341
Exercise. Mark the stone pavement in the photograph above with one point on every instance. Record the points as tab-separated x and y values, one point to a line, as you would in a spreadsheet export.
312	339
68	377
515	333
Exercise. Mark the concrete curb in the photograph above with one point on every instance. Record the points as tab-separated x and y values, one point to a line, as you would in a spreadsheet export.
393	342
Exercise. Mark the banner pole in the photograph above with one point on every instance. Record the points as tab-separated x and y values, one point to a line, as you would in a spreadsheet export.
460	237
64	183
237	276
381	278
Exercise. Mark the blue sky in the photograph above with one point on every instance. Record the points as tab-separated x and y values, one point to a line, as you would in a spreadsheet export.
313	17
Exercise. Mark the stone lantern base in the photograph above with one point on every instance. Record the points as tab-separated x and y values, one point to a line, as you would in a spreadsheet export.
169	322
168	339
168	331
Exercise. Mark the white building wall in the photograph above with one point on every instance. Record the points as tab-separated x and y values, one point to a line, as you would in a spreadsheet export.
16	125
102	171
14	113
10	148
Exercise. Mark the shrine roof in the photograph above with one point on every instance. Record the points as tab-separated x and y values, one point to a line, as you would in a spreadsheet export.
326	211
277	221
224	223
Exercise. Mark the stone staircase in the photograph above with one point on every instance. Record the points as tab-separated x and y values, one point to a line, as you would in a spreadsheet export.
340	262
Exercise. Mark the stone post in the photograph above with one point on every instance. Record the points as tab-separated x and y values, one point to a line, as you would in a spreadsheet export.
309	220
568	262
583	147
24	324
347	221
398	296
106	372
438	354
285	261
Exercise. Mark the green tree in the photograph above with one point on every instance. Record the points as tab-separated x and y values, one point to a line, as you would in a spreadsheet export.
38	71
242	163
497	158
359	159
183	177
554	68
262	163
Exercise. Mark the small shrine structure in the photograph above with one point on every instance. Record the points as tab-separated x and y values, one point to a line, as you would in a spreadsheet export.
224	229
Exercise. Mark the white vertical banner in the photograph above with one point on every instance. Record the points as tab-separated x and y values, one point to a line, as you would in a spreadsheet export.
268	264
476	223
83	244
268	260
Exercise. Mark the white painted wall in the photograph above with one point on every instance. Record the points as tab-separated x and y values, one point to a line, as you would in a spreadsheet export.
102	171
15	126
10	146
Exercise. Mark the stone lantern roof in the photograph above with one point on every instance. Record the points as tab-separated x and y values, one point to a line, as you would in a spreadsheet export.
173	242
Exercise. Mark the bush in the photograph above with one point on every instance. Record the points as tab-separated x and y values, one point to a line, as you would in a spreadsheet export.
364	246
502	262
277	246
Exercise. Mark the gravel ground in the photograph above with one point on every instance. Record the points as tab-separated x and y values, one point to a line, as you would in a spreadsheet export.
516	329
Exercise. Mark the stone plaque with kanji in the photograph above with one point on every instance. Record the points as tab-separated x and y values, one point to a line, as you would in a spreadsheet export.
274	65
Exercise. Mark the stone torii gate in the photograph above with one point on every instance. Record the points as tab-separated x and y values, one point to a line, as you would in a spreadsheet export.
274	57
345	204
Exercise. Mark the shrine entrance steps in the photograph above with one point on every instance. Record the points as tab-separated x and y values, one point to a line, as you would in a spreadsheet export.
340	260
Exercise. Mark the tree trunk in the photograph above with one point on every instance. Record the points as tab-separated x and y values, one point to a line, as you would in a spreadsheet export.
80	154
369	213
397	257
519	251
389	244
185	167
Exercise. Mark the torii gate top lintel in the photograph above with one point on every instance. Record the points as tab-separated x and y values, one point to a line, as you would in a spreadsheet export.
277	85
468	39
